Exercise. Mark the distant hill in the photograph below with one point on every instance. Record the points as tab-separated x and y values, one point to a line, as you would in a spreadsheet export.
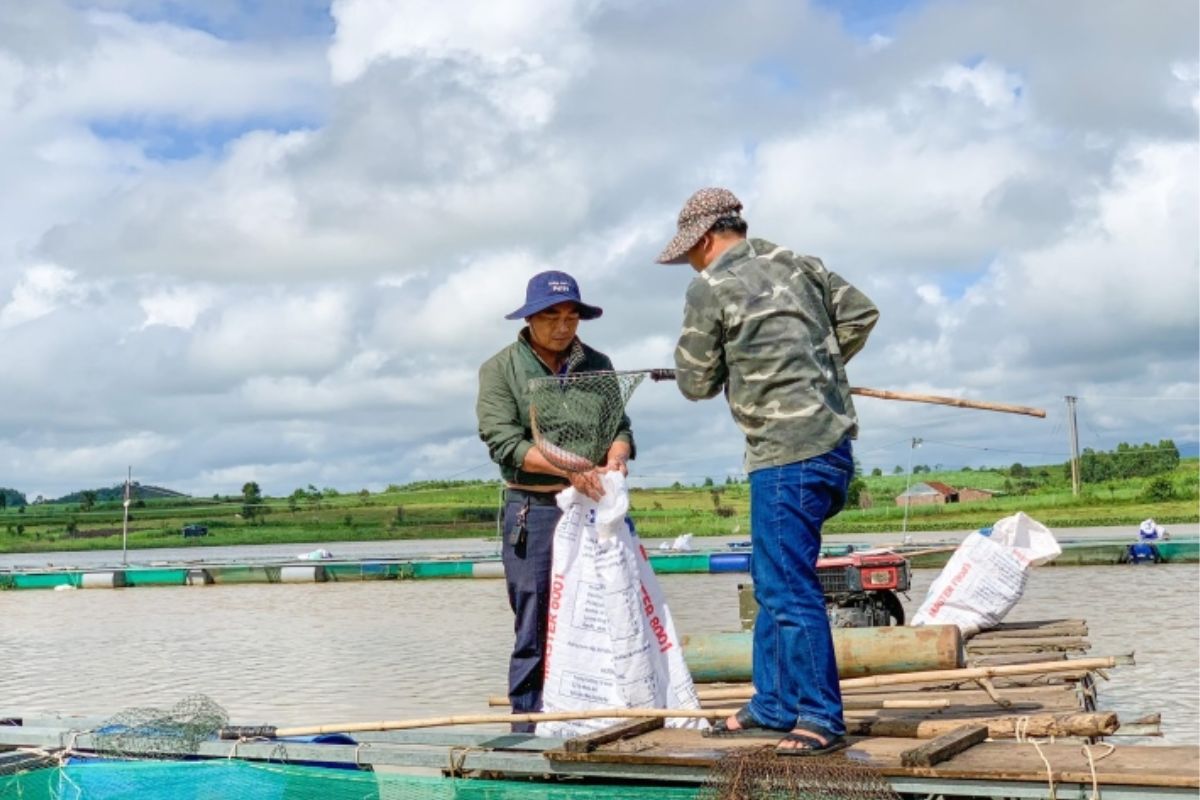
140	492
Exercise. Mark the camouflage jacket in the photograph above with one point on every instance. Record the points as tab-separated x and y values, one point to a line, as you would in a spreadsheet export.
775	330
503	405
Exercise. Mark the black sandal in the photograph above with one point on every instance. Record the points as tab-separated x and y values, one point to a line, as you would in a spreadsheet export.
749	726
806	742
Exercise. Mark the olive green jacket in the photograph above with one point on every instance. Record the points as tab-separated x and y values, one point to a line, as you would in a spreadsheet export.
774	329
503	404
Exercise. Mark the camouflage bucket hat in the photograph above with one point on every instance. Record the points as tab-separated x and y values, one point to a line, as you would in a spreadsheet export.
699	214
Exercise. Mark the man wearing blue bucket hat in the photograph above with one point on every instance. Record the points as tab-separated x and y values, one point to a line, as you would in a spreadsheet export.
547	345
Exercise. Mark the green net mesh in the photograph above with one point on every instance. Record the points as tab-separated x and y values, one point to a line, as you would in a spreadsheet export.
159	732
575	417
221	780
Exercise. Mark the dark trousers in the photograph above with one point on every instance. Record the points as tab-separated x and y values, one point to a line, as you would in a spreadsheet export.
527	574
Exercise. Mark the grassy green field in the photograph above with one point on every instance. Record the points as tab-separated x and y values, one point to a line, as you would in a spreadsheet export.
470	509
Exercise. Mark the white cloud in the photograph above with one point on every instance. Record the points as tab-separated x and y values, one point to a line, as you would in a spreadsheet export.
495	33
102	463
40	291
274	334
175	307
122	67
285	255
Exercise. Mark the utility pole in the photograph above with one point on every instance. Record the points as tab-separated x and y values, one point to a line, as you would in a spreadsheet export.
1073	432
125	525
916	442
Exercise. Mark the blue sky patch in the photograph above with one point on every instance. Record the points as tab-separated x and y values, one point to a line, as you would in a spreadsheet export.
241	19
169	139
954	285
862	18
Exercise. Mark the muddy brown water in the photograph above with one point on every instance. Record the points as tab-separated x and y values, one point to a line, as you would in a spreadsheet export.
337	652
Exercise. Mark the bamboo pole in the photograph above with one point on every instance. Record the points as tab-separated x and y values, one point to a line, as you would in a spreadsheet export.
745	693
936	399
928	676
974	673
941	400
270	732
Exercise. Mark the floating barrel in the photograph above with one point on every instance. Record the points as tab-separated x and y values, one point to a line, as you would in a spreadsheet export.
487	569
314	573
102	580
860	651
729	562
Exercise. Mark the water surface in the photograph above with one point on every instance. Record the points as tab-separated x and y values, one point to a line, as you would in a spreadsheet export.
318	653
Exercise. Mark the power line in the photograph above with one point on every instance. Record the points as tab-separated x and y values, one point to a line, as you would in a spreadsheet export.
1162	397
994	449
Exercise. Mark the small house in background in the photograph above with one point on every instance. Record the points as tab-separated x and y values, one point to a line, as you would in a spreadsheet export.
927	493
966	495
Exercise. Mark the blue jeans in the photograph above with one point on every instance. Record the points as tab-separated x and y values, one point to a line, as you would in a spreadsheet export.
794	670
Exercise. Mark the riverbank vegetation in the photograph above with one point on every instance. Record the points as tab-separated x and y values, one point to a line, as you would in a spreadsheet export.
717	507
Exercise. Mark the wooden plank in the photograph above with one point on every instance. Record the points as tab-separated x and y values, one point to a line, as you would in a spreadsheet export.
1127	764
935	751
613	733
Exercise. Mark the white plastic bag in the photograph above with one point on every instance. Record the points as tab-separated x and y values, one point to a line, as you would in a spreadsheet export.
986	575
610	639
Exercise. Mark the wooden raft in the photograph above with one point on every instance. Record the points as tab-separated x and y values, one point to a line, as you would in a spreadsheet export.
945	743
1143	766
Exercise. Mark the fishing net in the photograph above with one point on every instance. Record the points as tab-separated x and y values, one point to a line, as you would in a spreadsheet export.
158	732
759	774
576	417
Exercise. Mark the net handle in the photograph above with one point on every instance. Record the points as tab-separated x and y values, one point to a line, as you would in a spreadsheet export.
910	397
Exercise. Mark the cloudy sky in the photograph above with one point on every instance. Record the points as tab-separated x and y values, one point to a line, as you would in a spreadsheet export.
273	240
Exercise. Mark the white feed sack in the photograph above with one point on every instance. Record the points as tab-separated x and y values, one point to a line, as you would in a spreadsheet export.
610	641
986	575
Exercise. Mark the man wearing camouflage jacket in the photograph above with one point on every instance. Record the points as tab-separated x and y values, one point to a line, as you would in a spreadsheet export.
774	330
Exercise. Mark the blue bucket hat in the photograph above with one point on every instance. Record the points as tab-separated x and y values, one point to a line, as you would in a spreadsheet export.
549	289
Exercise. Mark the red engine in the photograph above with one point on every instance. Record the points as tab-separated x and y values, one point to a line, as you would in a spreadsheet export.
860	588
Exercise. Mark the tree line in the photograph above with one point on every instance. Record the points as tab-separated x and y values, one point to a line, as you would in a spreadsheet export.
1126	461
